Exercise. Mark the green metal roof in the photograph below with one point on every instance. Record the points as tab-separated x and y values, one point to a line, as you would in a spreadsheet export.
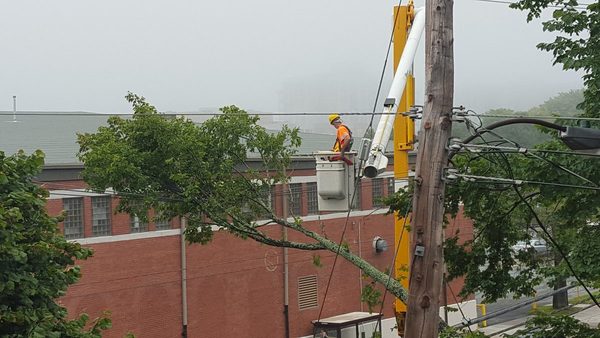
55	133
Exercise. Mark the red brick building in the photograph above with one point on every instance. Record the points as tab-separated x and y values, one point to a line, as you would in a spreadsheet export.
153	285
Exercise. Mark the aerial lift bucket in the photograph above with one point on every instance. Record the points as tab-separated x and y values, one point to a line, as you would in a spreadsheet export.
335	181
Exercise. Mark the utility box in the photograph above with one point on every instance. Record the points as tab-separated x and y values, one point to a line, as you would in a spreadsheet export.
335	181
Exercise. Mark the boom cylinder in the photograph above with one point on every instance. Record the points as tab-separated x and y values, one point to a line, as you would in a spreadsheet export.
377	162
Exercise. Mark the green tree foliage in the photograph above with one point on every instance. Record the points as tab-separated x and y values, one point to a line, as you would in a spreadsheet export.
371	296
556	326
563	104
179	168
200	171
502	217
500	214
505	212
576	45
464	333
36	262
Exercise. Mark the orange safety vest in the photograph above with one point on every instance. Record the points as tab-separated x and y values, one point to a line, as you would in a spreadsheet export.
342	131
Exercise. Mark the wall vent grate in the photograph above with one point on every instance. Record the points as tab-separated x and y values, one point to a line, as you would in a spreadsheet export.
307	292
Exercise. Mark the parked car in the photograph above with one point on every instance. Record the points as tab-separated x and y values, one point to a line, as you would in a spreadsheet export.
539	245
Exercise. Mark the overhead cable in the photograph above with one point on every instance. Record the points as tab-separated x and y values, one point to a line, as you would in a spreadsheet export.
579	6
556	246
500	180
316	113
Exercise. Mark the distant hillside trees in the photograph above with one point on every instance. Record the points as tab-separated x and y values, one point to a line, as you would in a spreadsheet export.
561	105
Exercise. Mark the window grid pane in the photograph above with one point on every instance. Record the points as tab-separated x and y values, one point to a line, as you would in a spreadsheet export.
74	217
138	225
391	186
295	199
313	202
162	224
377	192
267	198
101	216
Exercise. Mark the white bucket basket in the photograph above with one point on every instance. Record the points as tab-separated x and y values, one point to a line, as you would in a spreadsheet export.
335	181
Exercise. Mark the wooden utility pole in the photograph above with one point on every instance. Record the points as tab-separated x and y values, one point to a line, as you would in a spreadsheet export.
426	271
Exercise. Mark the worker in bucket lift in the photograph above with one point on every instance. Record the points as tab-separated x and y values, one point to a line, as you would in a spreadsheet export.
343	140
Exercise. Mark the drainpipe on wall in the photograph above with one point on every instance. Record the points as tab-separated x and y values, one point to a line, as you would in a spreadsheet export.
286	291
360	277
184	313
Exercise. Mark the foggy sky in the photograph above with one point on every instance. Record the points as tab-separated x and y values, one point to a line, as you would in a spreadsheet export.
267	55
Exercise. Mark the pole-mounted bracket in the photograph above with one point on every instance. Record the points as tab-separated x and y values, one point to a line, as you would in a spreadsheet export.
459	114
389	102
454	144
415	113
449	175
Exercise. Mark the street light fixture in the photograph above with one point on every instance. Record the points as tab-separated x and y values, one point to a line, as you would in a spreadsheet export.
585	140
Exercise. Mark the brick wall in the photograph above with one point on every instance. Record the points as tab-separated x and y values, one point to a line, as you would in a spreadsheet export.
235	287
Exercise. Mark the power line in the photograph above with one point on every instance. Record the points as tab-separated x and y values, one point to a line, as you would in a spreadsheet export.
512	307
387	55
457	304
107	115
500	180
524	150
237	261
556	246
189	114
560	167
193	277
392	264
337	253
579	6
543	117
347	217
515	183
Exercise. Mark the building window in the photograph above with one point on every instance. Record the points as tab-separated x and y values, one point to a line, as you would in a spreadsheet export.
162	224
267	198
73	218
295	199
377	186
101	216
307	292
313	200
137	225
391	186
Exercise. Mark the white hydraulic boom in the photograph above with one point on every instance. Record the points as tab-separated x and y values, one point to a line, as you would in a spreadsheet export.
376	161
